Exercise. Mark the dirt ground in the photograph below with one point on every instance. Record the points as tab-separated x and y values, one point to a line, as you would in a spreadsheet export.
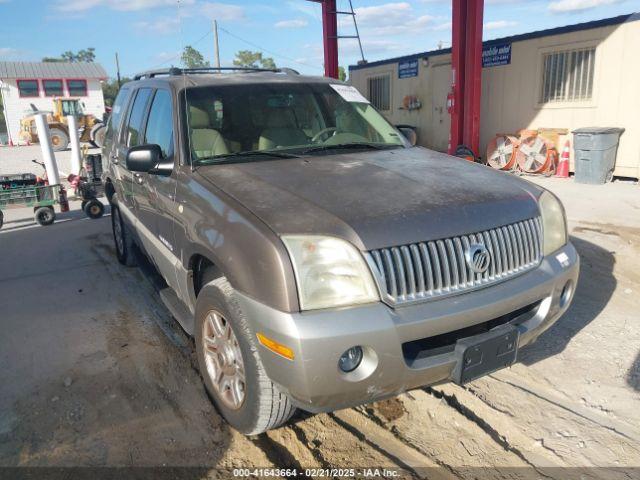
94	372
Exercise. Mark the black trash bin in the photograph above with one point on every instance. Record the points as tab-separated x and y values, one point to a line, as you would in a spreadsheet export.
595	152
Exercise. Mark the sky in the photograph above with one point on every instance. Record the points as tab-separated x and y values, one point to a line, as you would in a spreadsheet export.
151	33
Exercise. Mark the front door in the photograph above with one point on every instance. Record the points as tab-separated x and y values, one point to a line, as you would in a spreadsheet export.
159	206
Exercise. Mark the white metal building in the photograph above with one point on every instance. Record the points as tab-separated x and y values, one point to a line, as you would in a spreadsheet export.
37	83
582	75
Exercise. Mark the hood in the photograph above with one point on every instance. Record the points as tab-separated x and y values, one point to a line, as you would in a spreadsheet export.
377	199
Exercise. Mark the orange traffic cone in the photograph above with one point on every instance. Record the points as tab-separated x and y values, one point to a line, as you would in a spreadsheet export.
563	167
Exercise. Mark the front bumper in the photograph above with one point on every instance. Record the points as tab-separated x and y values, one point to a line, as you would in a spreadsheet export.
318	339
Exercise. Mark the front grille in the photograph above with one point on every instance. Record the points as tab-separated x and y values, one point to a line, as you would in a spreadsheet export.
425	270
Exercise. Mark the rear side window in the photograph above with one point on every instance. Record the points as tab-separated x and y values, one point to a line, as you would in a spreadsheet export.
113	124
136	116
159	129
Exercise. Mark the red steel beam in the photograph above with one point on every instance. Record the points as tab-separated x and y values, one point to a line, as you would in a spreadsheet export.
466	71
329	37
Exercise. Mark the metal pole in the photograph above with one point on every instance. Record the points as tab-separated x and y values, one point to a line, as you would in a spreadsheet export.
457	73
118	71
355	24
216	43
473	76
75	144
47	149
330	37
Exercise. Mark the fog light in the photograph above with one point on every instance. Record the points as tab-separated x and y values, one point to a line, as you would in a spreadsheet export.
566	293
350	360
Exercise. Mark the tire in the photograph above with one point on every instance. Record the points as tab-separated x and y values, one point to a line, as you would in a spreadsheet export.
125	248
93	209
44	216
1	218
264	406
59	139
83	204
97	135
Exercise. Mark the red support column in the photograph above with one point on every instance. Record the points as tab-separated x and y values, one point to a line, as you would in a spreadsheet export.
473	76
466	68
330	38
456	102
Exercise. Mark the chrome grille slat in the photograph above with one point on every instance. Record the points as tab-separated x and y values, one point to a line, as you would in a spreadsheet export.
417	261
430	286
437	268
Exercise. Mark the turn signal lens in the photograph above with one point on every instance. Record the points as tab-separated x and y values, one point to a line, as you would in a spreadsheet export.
275	347
554	225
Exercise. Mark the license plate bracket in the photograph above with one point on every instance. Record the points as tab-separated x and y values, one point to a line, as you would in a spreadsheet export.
485	353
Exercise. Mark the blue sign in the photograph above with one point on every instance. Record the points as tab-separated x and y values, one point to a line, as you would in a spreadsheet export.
408	68
495	55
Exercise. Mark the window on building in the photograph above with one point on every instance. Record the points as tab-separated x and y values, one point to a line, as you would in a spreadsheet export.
159	129
380	92
136	116
28	88
53	88
568	76
77	88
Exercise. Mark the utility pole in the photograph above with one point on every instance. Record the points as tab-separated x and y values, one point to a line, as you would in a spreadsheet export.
118	71
217	45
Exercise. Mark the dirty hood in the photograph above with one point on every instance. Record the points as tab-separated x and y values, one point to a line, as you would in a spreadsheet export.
377	199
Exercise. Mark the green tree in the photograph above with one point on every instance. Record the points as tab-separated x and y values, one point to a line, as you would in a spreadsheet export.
192	58
249	59
85	55
342	74
110	89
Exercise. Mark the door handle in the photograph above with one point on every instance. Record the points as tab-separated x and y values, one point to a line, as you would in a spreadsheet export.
138	177
114	159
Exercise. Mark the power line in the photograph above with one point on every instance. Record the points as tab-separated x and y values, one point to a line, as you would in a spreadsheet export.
271	52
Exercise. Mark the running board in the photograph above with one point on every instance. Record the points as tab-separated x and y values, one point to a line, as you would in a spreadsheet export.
178	309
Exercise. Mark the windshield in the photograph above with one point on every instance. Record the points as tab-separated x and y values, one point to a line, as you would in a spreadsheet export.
250	120
71	107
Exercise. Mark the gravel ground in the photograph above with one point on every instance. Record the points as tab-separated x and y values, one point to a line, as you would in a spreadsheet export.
96	373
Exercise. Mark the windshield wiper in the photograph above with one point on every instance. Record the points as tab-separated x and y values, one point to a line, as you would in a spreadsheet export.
349	146
249	153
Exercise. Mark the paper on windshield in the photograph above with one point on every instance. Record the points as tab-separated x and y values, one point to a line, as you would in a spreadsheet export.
349	93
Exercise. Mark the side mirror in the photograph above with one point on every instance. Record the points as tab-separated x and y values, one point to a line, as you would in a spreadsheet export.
148	159
143	158
409	133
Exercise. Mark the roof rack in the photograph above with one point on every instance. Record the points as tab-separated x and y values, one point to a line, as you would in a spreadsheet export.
174	71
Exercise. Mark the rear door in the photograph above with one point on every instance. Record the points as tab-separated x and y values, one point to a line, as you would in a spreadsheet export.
131	136
110	161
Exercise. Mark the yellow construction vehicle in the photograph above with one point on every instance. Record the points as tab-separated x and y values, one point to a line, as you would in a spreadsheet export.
90	128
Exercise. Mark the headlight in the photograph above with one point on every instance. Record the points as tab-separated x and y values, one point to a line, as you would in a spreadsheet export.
329	272
554	226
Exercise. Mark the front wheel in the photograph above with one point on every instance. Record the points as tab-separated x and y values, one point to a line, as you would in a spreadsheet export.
93	209
125	247
59	139
45	216
230	364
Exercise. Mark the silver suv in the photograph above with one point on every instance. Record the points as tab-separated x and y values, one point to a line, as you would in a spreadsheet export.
319	260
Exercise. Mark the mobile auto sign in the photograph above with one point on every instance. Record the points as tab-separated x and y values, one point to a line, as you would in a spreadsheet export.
495	55
408	68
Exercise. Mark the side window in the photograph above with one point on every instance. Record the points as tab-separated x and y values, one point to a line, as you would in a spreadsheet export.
159	129
113	124
133	131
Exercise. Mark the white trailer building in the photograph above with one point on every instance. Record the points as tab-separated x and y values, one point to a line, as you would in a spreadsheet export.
37	83
582	75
